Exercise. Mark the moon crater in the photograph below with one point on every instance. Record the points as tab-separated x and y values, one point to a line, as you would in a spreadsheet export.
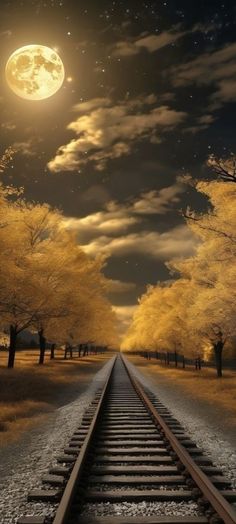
35	72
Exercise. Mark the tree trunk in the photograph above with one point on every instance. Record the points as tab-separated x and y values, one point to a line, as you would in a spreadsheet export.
52	354
218	348
167	358
12	346
176	359
183	362
42	346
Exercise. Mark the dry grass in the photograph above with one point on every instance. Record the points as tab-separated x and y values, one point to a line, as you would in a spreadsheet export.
202	385
29	391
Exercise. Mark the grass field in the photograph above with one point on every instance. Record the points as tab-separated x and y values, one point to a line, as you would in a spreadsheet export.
203	385
29	392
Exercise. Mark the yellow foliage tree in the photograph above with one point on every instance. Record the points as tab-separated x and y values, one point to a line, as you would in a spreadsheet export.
197	310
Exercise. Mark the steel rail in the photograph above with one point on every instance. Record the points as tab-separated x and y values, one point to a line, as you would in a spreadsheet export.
218	502
67	497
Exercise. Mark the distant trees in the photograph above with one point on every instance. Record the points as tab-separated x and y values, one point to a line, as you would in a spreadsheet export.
48	284
198	310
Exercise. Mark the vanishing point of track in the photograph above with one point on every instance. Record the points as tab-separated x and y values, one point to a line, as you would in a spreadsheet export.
129	448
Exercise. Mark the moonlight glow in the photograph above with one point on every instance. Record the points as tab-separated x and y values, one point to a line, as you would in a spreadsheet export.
35	72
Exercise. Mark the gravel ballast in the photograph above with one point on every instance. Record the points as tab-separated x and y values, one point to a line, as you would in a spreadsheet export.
143	509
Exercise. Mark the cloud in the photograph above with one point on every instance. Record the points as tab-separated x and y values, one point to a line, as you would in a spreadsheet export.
124	315
113	230
226	93
89	105
7	33
97	194
217	69
202	123
8	126
149	42
177	242
27	147
107	131
153	42
117	286
159	202
117	218
206	119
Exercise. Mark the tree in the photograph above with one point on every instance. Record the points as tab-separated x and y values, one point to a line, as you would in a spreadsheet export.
45	275
199	308
213	266
212	323
161	320
225	168
22	239
46	279
71	301
220	218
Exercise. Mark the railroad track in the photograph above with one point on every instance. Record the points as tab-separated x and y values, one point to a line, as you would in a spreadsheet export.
131	450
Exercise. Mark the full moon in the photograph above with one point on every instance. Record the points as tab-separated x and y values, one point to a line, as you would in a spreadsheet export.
35	72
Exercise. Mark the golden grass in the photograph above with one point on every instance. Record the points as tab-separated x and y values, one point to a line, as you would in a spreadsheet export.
202	385
29	392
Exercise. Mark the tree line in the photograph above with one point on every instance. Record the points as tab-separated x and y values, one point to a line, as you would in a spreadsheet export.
48	284
194	313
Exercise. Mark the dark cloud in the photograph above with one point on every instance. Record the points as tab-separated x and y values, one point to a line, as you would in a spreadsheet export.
216	69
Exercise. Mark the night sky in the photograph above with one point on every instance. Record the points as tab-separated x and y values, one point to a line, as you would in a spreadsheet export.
149	93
